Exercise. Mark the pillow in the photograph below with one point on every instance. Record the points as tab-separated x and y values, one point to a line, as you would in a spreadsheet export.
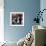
20	42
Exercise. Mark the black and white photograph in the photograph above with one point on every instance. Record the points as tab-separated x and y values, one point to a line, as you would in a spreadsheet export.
17	18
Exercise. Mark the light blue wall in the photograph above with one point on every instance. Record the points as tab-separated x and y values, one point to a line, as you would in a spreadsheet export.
43	6
29	7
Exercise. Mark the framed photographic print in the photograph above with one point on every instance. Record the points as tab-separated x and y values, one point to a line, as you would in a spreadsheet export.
17	18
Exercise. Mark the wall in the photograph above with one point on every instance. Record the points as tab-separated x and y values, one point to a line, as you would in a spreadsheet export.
29	7
43	6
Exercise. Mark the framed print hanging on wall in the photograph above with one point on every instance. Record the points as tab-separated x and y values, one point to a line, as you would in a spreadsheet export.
17	18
